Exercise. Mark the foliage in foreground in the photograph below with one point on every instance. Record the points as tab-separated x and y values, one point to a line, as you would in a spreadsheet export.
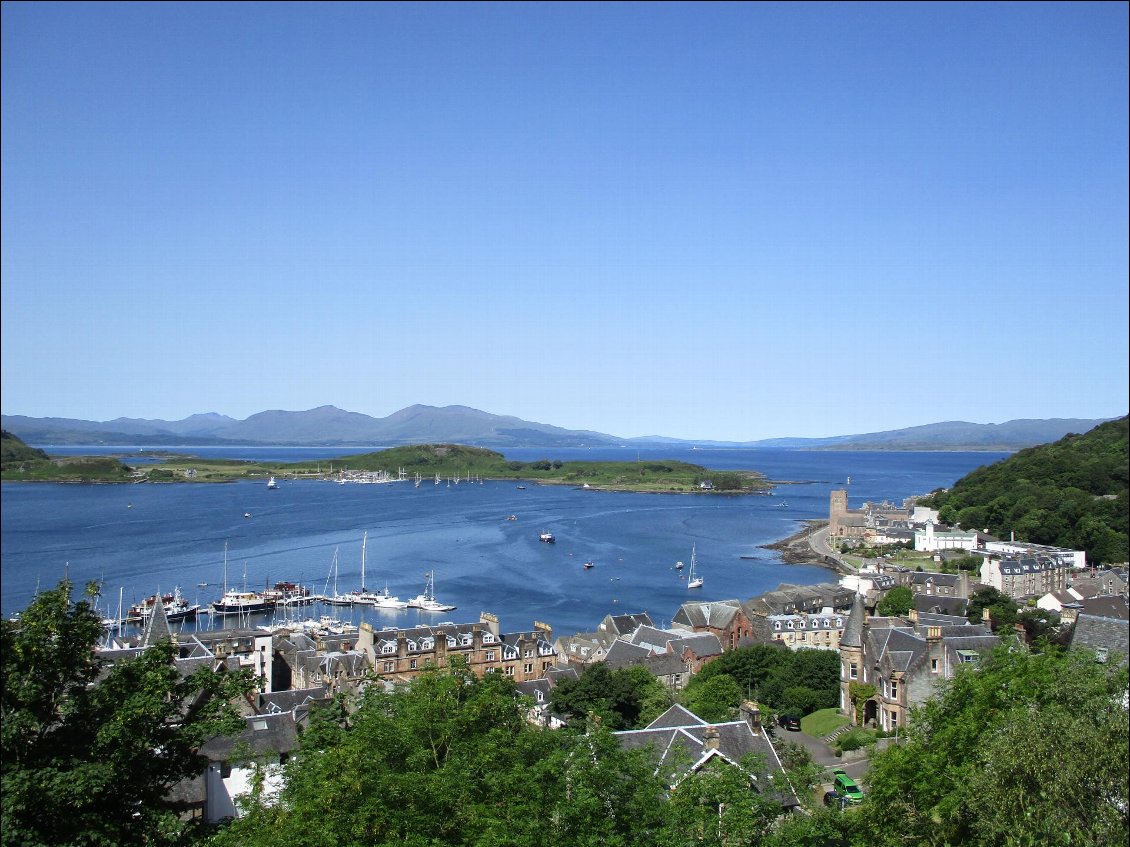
1029	748
90	750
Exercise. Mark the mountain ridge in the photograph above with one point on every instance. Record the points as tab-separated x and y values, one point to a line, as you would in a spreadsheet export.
418	424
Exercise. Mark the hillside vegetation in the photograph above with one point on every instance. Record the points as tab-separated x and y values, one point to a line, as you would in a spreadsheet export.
1072	493
19	462
457	460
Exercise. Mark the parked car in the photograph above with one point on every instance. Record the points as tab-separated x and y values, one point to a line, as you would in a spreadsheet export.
846	787
790	722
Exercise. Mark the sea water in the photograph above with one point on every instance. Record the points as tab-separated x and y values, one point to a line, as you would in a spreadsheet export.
138	539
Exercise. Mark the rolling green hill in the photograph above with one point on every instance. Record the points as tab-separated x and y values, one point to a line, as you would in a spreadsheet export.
1072	493
20	463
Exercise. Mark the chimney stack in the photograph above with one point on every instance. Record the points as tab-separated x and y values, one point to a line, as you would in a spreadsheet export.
751	714
710	738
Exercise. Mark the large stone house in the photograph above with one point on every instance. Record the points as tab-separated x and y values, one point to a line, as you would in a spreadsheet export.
1025	576
725	619
894	663
402	654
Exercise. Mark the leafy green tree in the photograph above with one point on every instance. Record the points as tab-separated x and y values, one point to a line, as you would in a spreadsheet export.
719	806
90	748
1002	608
626	698
898	601
716	699
1026	748
451	760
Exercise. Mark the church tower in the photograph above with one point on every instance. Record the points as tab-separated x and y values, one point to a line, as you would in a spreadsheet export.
837	508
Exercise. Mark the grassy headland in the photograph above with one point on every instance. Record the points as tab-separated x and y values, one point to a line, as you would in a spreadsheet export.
428	460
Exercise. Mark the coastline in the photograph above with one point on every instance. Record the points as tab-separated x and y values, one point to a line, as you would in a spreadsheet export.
797	549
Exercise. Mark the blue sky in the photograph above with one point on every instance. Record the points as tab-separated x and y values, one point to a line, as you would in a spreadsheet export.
703	221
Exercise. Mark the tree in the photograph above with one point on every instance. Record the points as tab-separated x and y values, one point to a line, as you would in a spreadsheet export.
91	749
716	699
898	601
451	760
626	698
1027	748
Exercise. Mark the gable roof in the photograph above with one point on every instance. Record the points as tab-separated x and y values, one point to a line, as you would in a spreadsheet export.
1109	638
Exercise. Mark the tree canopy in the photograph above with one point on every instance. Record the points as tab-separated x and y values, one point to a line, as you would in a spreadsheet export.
1072	493
91	749
1027	748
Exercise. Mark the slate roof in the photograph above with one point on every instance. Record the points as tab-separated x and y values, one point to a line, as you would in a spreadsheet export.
678	737
701	645
623	654
853	630
940	605
625	624
715	615
1109	637
263	734
289	701
1109	606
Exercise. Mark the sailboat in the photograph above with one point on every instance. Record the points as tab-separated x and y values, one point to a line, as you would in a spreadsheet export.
427	602
336	599
692	580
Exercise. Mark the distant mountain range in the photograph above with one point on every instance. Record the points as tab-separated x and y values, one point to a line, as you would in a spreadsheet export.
329	426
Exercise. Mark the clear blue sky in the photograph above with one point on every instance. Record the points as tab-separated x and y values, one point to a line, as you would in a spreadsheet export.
703	221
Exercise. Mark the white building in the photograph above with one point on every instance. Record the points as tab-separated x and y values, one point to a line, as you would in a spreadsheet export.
931	540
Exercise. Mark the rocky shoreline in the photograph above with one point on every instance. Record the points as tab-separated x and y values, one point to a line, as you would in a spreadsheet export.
795	550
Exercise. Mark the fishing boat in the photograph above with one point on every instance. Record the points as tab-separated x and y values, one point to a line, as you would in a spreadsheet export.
693	581
679	566
548	537
427	602
589	565
176	608
242	602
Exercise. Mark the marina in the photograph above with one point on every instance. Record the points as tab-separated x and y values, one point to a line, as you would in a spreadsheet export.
481	560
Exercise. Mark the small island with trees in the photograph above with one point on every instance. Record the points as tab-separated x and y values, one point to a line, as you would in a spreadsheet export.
22	463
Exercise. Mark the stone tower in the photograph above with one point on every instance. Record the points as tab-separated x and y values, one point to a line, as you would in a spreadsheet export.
837	508
851	655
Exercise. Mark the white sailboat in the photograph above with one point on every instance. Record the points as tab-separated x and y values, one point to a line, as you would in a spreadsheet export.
427	602
336	599
694	581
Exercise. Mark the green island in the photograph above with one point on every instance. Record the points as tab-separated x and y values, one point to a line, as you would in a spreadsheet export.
22	463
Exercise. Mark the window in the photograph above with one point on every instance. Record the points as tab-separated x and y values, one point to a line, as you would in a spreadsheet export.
528	653
411	645
854	672
528	667
388	649
412	664
510	670
490	655
488	638
776	624
390	667
465	641
933	665
894	690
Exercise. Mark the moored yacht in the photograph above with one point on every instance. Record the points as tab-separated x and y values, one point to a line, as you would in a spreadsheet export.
427	602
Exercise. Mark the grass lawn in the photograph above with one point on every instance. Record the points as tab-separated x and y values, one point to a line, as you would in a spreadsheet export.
823	723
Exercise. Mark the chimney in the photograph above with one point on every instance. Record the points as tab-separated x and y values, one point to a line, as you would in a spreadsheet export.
491	622
710	738
751	714
933	633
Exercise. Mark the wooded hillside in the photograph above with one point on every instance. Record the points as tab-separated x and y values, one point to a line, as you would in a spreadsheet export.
1072	493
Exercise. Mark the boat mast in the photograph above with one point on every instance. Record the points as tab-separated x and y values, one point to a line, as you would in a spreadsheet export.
364	541
225	567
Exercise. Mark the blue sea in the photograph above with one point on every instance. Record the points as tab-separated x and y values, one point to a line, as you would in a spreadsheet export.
138	539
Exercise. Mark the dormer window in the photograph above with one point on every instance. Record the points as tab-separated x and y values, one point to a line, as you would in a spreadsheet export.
388	649
427	644
465	641
451	641
776	624
488	638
